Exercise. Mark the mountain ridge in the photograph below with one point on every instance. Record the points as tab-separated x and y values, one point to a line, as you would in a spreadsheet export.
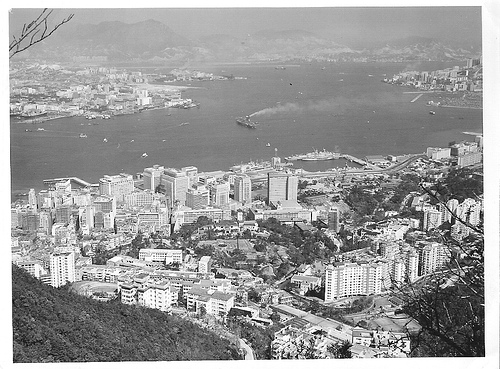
153	40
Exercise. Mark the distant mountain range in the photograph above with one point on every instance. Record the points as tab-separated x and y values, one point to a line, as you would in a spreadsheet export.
153	41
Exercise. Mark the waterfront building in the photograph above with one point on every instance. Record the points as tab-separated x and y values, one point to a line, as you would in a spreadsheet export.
243	189
437	153
62	269
219	194
197	197
192	174
281	187
469	159
151	177
116	185
175	184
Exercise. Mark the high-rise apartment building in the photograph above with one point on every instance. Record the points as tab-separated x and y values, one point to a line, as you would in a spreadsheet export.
432	219
243	189
432	256
62	268
281	187
351	279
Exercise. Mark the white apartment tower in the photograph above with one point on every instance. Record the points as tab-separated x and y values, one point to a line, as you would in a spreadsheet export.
62	269
351	279
432	219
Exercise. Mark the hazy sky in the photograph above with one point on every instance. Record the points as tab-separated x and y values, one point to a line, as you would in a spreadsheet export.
351	26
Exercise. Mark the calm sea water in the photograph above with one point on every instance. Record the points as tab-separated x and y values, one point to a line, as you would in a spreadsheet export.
301	108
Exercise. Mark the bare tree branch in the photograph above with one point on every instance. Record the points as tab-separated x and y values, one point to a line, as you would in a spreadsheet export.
30	33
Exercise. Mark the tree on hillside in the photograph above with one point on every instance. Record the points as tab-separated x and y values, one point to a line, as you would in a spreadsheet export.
35	32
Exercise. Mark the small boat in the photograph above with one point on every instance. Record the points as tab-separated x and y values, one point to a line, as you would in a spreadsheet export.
28	130
183	124
40	129
268	145
105	140
132	140
144	155
83	135
432	112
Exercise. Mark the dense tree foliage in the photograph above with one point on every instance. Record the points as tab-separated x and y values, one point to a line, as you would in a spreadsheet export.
54	325
259	338
303	247
363	203
461	184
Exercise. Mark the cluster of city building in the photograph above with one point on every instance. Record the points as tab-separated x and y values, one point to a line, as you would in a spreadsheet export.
467	78
70	218
41	92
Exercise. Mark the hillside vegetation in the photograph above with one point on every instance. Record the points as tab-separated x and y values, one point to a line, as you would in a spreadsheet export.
54	325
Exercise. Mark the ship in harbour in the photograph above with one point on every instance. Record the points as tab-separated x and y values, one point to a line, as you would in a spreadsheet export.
246	122
315	156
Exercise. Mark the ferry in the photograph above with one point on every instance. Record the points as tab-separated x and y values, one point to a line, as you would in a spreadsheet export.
246	122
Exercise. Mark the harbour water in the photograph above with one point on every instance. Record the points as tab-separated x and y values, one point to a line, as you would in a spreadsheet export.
299	109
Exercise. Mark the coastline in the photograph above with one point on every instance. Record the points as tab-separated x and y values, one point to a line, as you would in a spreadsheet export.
460	107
